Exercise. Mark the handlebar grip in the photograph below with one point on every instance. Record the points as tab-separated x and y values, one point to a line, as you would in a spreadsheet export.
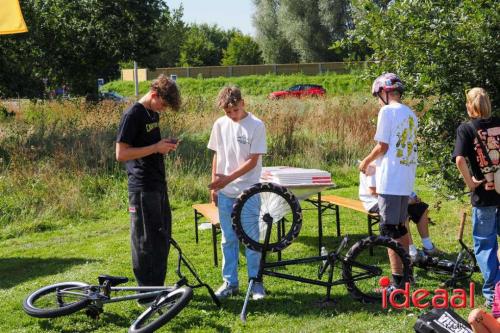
462	225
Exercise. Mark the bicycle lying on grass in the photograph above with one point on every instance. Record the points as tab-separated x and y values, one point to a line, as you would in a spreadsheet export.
274	206
65	298
460	269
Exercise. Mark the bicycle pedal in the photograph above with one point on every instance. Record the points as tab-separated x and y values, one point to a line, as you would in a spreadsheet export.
93	313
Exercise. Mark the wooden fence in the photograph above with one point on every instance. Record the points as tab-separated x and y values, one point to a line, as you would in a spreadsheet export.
241	70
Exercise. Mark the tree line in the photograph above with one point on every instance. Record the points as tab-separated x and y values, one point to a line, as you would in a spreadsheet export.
72	43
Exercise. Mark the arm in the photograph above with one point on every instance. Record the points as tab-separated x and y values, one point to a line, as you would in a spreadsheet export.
470	181
379	150
125	152
213	194
373	191
222	180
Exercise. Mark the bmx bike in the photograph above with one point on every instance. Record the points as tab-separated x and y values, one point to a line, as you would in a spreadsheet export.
275	207
65	298
460	269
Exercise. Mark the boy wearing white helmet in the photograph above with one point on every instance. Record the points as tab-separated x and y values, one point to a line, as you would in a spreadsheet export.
395	155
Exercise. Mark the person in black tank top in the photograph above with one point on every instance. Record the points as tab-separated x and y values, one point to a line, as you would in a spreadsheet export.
140	146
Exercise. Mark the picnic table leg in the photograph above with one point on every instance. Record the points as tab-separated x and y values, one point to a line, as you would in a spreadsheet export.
196	216
337	218
320	224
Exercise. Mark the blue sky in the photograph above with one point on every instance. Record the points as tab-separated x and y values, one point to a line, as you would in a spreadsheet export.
226	14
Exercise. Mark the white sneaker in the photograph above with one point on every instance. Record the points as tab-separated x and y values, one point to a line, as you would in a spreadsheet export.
225	291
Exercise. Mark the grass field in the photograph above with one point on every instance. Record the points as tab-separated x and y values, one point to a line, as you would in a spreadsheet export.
79	252
63	212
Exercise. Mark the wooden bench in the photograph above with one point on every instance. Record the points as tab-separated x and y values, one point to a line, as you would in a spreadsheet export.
334	202
210	213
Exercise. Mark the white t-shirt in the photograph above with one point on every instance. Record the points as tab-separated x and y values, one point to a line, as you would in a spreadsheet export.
234	142
365	196
397	126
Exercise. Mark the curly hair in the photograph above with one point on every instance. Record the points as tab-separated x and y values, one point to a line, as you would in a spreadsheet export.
168	91
228	97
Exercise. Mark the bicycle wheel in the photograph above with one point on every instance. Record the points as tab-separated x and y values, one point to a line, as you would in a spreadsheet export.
166	308
263	203
366	262
57	300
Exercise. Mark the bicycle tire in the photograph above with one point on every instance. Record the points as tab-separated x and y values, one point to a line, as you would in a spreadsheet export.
172	303
36	303
371	252
272	201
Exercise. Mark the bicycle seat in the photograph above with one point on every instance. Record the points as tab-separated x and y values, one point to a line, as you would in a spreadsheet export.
113	280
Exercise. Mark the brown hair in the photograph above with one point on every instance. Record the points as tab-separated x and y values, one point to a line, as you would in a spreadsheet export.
228	97
168	91
479	103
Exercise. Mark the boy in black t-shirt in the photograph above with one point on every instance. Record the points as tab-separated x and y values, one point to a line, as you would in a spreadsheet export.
140	146
485	200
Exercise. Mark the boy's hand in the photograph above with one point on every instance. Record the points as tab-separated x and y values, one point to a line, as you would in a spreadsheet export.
164	146
476	183
213	197
363	166
220	182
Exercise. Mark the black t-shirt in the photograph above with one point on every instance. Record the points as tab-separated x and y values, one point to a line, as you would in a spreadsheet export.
140	127
467	145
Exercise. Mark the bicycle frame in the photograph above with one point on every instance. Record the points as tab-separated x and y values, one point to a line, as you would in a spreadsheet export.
101	294
329	262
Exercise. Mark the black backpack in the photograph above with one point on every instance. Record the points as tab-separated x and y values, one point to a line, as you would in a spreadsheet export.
441	321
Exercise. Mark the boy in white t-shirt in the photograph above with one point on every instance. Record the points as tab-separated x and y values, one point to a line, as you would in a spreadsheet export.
238	140
417	211
396	158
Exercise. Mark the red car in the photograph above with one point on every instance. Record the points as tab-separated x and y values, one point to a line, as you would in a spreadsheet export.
299	90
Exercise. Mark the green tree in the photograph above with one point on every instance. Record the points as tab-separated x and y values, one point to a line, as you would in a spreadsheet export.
242	50
204	45
308	28
171	34
439	48
275	47
75	42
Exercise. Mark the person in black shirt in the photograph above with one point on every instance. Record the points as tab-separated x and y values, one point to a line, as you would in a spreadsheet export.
140	146
478	142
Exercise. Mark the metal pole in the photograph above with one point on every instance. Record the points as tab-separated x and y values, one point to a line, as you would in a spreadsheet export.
136	81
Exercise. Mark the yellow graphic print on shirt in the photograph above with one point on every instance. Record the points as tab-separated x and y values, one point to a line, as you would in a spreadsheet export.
406	147
151	126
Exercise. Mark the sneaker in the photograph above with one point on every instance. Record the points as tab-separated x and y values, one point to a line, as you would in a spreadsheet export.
434	252
226	290
258	291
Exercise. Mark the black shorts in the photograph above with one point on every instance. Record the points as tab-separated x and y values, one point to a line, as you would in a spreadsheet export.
394	231
416	210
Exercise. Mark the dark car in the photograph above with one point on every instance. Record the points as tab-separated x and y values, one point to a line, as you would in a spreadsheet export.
299	90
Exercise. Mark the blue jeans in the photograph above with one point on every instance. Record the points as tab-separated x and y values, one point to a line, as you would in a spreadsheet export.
485	228
230	243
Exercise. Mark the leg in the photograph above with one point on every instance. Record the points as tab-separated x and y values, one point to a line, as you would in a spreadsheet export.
423	225
393	214
250	224
229	241
150	236
484	232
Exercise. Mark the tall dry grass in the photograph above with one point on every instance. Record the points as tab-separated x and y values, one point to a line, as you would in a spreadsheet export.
57	160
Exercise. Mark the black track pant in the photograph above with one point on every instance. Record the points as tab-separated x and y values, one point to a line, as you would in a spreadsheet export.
150	232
